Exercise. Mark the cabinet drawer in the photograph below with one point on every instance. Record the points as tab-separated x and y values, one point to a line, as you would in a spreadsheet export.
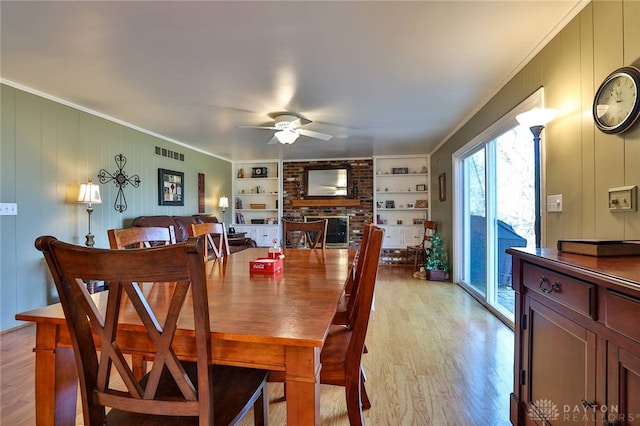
577	295
622	313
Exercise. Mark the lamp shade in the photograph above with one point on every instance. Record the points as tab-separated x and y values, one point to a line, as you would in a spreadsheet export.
89	193
536	117
286	137
223	203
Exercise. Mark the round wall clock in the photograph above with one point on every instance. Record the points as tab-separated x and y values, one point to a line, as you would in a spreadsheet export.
616	106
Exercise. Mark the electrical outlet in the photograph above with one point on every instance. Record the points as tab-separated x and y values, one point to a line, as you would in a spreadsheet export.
554	203
8	209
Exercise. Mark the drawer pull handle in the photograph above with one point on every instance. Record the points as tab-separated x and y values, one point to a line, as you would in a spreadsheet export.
553	287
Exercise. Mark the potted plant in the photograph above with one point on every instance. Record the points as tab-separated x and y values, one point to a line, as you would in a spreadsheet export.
437	260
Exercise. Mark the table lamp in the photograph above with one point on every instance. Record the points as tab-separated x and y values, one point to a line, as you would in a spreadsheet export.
89	194
223	203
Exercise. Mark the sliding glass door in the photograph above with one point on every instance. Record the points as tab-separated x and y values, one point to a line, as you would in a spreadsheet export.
495	208
476	202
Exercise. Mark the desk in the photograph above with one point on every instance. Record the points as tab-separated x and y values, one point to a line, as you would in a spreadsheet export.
275	322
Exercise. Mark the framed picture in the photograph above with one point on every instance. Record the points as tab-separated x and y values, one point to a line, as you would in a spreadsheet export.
389	204
422	187
400	170
442	187
200	192
410	205
170	188
421	204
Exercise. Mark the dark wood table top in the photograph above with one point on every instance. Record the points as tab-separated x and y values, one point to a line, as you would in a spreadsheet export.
275	322
295	305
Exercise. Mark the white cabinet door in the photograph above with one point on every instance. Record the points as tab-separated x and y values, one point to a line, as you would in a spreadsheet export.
393	237
266	234
402	236
263	235
413	235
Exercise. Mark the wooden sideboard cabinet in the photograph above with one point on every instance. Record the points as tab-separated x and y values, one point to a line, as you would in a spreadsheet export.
577	339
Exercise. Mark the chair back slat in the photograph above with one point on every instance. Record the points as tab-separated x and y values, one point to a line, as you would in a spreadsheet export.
141	237
355	277
430	227
299	234
216	235
364	294
134	276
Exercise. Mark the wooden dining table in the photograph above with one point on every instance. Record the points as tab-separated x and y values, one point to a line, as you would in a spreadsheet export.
269	321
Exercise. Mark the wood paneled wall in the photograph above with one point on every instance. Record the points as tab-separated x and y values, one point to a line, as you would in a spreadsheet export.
47	150
579	161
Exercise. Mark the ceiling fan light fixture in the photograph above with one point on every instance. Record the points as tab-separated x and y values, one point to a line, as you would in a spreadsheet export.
286	137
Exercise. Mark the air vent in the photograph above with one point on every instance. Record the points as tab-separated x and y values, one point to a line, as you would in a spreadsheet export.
175	155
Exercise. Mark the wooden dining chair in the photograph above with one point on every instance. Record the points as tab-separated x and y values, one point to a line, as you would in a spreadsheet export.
311	234
217	242
141	237
419	253
173	392
344	313
341	355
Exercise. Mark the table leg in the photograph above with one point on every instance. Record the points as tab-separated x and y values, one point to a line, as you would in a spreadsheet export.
56	379
303	385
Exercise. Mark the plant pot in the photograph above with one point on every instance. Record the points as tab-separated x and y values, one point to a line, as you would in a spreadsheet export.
436	275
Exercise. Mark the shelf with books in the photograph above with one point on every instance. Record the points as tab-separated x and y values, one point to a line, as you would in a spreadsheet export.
256	189
401	197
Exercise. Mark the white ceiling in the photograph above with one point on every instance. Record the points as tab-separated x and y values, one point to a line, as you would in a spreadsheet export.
385	77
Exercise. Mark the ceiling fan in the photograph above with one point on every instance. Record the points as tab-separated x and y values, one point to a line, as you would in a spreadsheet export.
288	128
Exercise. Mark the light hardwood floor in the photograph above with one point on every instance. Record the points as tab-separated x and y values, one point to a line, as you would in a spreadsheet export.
436	357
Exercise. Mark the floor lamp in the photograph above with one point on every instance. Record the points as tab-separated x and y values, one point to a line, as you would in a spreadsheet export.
89	194
535	120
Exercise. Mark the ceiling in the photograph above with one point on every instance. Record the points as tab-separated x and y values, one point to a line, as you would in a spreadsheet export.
384	77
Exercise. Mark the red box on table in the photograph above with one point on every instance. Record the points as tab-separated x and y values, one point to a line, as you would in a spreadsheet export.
264	265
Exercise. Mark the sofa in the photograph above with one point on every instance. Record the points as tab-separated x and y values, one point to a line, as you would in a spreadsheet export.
181	226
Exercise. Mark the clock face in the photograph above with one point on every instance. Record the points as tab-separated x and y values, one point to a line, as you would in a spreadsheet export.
616	105
258	172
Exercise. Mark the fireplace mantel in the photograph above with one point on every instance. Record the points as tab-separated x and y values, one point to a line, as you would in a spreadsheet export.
338	202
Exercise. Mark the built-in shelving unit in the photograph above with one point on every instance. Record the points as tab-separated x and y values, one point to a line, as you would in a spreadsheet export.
401	202
256	200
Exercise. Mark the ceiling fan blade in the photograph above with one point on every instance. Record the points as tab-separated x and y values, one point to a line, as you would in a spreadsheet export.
273	140
257	127
301	121
313	134
289	116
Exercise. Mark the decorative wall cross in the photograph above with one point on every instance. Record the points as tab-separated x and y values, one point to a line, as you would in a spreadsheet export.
120	179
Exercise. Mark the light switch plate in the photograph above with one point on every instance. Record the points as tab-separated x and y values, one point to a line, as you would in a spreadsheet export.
8	209
554	203
623	199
